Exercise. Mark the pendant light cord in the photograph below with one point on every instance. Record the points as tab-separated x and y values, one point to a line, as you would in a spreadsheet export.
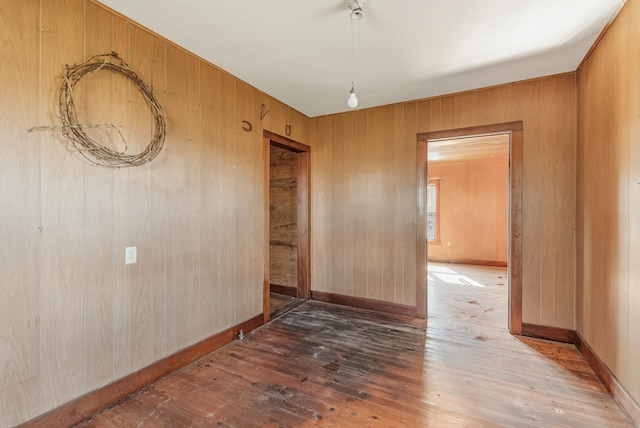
352	52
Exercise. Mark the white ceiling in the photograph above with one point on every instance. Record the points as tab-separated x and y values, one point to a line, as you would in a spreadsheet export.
300	51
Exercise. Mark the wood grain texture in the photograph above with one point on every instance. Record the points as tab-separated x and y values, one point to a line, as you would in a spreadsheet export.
160	253
121	286
78	318
364	303
284	290
209	176
20	246
467	261
79	409
140	201
62	312
547	177
283	217
624	399
421	242
633	384
608	225
99	221
335	366
550	333
287	196
304	226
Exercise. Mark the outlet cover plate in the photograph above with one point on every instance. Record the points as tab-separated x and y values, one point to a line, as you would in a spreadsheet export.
131	255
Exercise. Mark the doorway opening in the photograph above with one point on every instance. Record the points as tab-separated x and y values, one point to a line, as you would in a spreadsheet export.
470	214
467	229
286	190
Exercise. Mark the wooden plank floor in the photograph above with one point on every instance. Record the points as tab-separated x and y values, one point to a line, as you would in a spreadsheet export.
280	304
333	366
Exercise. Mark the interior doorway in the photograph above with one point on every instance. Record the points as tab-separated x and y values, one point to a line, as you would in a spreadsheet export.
286	190
467	229
476	139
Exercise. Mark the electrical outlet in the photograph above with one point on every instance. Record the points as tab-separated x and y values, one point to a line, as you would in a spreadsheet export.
131	255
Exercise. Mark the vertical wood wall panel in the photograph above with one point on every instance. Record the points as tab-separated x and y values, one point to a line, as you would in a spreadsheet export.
208	186
140	201
358	204
19	198
241	173
375	181
633	382
409	206
161	206
389	184
121	285
320	205
176	189
227	237
398	214
99	222
194	203
351	157
62	315
565	169
608	220
338	214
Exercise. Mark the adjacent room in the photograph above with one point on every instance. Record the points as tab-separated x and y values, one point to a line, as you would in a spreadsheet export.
343	213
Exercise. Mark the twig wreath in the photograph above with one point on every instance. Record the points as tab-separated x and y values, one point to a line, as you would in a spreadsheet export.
90	149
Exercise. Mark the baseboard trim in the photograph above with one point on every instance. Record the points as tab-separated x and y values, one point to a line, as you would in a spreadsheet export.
610	382
85	406
615	388
283	289
363	303
467	261
549	333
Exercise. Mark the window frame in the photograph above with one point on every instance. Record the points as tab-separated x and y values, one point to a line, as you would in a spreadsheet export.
436	227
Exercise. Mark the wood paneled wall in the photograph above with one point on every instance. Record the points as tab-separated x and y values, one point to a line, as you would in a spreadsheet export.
364	193
283	218
74	316
473	210
608	208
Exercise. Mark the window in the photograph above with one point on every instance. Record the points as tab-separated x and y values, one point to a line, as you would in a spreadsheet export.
433	226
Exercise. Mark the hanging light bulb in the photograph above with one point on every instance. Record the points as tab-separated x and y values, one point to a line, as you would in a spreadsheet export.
352	101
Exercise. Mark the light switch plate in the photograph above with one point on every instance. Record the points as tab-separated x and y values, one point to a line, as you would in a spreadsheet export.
131	255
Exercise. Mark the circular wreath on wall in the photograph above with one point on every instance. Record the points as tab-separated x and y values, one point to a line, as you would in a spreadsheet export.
90	149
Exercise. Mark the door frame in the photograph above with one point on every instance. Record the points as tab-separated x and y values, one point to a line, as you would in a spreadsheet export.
515	130
303	218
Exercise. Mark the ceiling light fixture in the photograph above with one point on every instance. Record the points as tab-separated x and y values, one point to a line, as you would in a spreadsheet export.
352	101
356	9
356	15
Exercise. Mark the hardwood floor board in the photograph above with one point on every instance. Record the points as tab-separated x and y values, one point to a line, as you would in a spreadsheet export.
280	387
350	358
330	382
327	379
330	365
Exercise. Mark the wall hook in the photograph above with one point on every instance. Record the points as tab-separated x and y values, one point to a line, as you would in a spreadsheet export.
248	127
263	111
